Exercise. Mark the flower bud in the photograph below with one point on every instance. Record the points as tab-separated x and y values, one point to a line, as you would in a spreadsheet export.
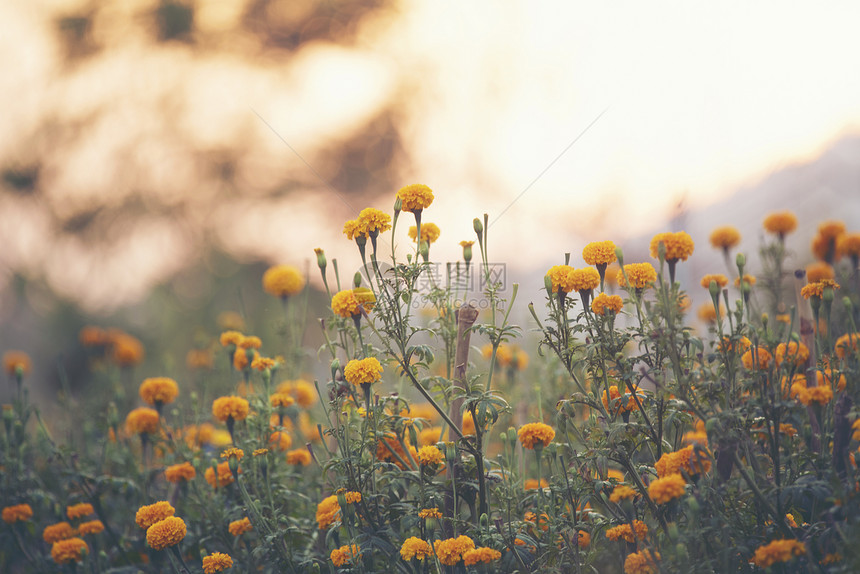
398	205
356	280
321	260
714	289
335	367
827	295
547	283
741	261
479	227
619	254
467	252
450	451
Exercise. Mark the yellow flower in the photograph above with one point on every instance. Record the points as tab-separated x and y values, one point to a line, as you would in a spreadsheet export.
758	358
374	220
748	279
603	303
56	532
142	420
283	281
79	510
299	457
148	515
622	492
231	338
450	551
778	551
216	562
15	361
642	562
240	527
328	512
428	455
69	550
585	279
126	351
301	390
17	513
795	353
340	556
846	344
599	253
159	390
532	434
280	400
353	229
561	277
237	452
780	223
819	270
483	554
708	313
91	527
281	440
415	197
720	279
625	532
429	232
667	489
168	532
261	363
179	472
345	304
434	512
848	245
219	476
679	245
725	237
225	408
415	548
250	342
363	371
641	275
819	395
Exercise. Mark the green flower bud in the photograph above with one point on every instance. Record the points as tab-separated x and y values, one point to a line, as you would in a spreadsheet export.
478	226
619	254
321	260
356	280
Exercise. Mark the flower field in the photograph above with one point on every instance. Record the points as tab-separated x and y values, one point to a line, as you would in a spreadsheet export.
441	440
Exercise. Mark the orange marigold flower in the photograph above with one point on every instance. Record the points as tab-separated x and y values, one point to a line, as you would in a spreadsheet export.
91	336
231	338
301	390
219	476
614	394
345	304
599	253
640	275
561	277
79	510
543	523
69	550
415	197
414	547
666	489
165	533
708	313
720	279
533	484
642	562
819	270
299	457
126	350
341	556
846	344
756	357
795	353
831	229
826	378
281	440
17	513
363	371
240	527
328	512
725	237
848	245
622	492
237	452
199	359
781	223
428	455
603	303
625	532
283	281
59	531
142	420
250	342
434	512
280	399
150	514
483	555
778	551
819	395
91	527
179	472
216	562
679	245
748	279
430	232
15	362
224	408
583	539
159	390
585	279
261	363
533	434
450	551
